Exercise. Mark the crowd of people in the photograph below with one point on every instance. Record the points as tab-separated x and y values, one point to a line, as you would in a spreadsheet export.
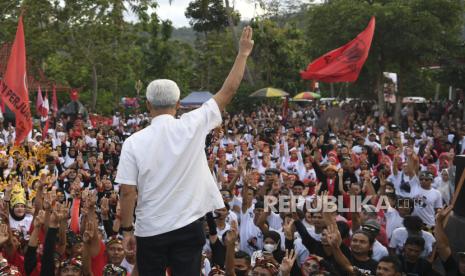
60	209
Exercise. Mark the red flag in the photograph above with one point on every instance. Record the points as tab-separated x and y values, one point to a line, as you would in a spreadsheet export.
74	95
74	224
13	88
45	106
39	101
342	64
54	101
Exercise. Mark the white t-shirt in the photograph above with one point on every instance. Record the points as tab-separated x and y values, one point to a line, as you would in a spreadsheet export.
249	233
393	221
379	251
167	162
400	235
22	225
129	267
426	201
413	182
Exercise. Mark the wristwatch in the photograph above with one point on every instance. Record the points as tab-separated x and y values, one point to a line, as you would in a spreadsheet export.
127	229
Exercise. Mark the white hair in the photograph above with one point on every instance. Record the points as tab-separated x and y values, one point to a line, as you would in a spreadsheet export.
163	93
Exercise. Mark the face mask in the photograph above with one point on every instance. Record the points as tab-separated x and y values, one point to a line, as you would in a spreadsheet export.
240	272
269	247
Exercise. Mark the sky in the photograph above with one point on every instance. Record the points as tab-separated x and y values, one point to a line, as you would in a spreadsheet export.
175	11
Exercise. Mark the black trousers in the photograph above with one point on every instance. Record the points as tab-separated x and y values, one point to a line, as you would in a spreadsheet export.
181	250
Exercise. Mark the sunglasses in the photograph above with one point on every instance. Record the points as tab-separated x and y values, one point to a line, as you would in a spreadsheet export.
424	179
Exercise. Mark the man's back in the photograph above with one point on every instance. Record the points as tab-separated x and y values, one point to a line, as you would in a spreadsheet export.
167	162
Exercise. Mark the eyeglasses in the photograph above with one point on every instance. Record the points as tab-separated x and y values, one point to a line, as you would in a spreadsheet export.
424	179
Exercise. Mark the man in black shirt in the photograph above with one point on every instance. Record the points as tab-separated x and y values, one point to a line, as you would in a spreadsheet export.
389	266
360	261
412	263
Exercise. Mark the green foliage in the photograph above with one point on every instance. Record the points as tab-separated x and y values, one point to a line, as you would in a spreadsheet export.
279	55
207	15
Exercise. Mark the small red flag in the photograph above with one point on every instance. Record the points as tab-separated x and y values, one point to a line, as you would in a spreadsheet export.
39	101
74	95
54	101
342	64
13	88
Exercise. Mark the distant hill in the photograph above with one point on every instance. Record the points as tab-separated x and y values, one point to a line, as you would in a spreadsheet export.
184	34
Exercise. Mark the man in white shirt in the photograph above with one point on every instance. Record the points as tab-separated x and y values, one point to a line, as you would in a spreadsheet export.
165	167
427	200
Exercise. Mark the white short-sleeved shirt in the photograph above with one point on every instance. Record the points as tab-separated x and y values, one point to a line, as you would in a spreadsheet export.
251	237
426	203
167	162
400	235
393	221
379	251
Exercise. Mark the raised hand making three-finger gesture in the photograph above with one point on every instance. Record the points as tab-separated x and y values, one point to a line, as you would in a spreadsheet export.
246	42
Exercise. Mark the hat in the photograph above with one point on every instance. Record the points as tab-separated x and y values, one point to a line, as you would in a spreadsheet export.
372	226
18	196
113	239
298	183
427	174
271	171
77	262
111	269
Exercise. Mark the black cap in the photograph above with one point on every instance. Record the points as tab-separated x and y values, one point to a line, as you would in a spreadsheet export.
270	171
298	183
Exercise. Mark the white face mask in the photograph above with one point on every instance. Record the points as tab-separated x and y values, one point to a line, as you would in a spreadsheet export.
269	247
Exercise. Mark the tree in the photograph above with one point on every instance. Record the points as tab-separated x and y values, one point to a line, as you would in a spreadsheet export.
280	53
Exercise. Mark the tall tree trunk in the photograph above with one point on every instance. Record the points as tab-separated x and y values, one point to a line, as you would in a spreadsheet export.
380	93
94	87
248	75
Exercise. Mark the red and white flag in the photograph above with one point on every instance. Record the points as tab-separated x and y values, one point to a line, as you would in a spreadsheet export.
39	102
45	109
13	87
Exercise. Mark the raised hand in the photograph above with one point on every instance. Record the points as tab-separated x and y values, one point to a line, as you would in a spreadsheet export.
105	207
47	205
246	43
288	228
333	236
340	173
288	262
443	214
39	219
231	236
88	232
4	233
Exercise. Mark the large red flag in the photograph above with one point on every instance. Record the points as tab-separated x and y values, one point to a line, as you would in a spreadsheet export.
13	88
342	64
54	101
